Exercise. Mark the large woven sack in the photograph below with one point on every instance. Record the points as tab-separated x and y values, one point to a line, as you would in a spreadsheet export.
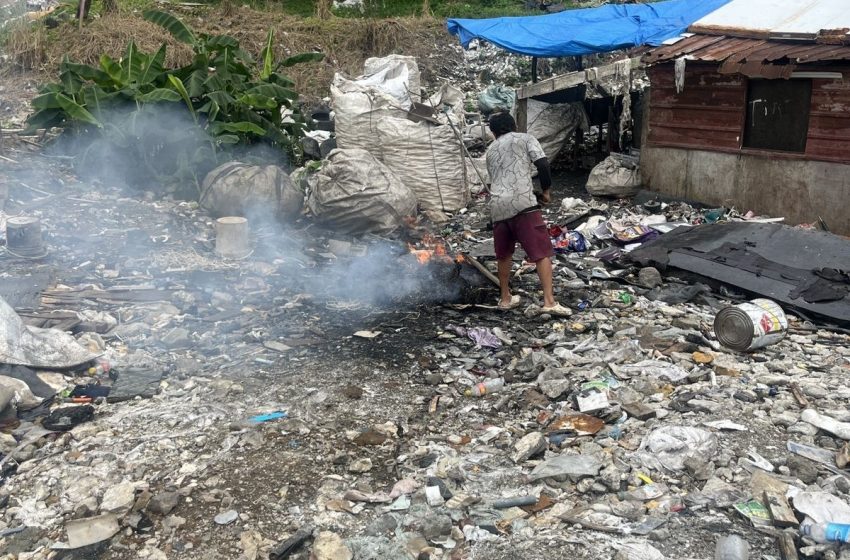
239	189
354	193
616	176
553	124
428	159
357	111
399	71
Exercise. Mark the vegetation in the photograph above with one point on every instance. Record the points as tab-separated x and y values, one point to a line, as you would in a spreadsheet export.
228	99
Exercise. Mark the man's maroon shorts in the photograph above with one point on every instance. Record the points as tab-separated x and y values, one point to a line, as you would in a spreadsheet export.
531	232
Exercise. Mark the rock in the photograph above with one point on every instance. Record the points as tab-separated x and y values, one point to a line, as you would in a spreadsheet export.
436	526
176	338
360	466
370	437
83	532
329	546
649	278
529	446
118	499
227	517
699	469
164	502
433	379
554	388
352	392
803	468
702	358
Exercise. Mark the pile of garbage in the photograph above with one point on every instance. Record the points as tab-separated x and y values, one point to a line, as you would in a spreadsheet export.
269	406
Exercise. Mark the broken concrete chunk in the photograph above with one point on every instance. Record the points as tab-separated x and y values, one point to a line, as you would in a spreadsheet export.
329	546
91	530
529	446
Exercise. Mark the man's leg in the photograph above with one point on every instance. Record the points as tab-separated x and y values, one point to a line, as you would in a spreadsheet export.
534	238
505	266
544	271
504	243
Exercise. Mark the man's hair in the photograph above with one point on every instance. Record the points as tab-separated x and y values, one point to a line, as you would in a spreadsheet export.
502	123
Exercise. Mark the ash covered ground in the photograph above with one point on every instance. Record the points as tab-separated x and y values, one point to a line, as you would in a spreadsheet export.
372	422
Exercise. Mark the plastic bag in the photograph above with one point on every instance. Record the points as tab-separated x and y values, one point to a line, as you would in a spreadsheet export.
396	74
354	193
616	175
497	98
668	447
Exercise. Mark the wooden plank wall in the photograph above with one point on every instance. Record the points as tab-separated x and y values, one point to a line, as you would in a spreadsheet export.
709	113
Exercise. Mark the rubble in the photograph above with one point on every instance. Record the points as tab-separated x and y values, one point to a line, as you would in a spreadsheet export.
323	395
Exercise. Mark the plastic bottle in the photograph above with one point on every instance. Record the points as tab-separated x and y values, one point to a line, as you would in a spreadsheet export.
827	532
732	547
485	388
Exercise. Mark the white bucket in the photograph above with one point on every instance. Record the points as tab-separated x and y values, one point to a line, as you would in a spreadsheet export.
231	237
748	326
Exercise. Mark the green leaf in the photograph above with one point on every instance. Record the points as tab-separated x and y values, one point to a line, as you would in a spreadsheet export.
46	101
76	111
258	101
281	80
112	68
47	118
274	91
71	83
93	97
171	24
301	58
159	95
221	42
132	64
221	98
268	57
245	127
151	71
195	82
85	72
181	89
227	139
211	108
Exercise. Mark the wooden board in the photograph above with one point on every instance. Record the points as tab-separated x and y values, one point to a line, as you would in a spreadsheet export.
780	511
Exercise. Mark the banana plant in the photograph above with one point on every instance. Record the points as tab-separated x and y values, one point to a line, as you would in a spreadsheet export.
233	98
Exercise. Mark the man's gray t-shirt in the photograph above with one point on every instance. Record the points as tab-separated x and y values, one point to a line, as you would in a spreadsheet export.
510	162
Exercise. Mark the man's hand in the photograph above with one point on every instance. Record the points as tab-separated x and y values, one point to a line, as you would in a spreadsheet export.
544	198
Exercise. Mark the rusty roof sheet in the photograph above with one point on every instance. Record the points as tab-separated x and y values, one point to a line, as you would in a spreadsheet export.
742	51
796	19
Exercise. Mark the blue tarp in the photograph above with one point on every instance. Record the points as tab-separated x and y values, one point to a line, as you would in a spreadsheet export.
586	31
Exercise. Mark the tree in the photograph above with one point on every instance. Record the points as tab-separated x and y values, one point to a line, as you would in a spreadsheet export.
323	9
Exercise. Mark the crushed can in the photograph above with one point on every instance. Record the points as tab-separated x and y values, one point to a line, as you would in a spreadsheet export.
751	325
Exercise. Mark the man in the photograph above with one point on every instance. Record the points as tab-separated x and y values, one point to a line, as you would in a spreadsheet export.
515	208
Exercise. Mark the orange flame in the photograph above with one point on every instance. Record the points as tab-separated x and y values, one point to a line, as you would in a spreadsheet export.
432	248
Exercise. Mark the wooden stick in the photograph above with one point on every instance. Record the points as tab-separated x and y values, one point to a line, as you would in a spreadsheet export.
787	547
482	269
798	395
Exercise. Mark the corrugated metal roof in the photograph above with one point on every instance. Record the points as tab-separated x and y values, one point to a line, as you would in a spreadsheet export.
742	51
794	19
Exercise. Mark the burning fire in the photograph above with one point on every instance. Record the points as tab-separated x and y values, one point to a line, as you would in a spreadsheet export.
431	248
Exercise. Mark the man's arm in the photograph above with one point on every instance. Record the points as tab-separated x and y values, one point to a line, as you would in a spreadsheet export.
545	176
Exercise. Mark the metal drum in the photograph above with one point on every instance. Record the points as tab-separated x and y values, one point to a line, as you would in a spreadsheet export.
748	326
